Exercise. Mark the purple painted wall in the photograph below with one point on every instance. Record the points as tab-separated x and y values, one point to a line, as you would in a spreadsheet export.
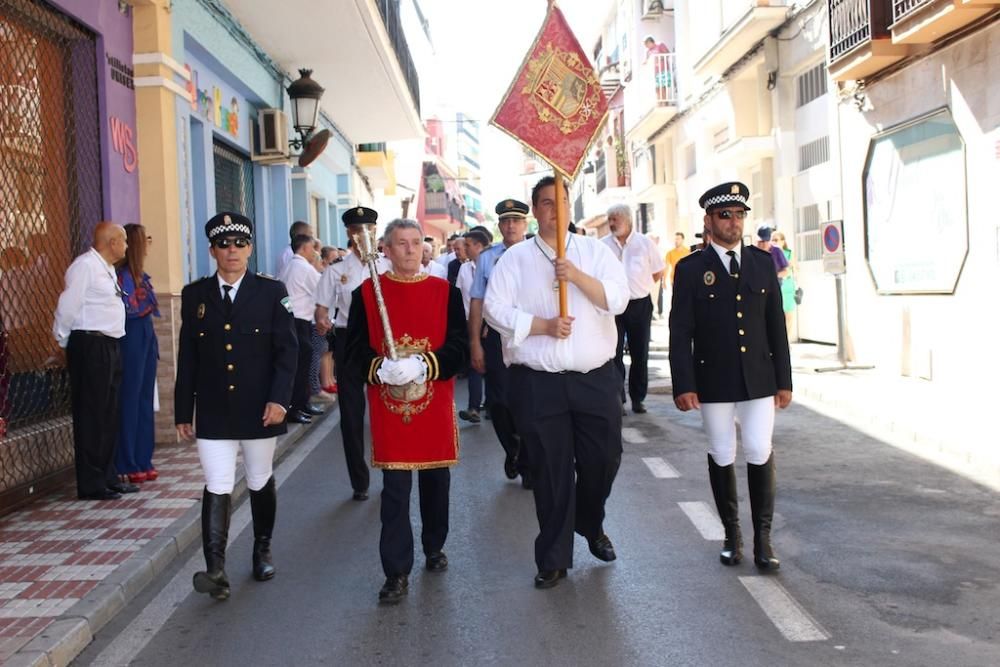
116	100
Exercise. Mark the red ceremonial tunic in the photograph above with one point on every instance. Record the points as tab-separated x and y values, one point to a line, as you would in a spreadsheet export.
413	426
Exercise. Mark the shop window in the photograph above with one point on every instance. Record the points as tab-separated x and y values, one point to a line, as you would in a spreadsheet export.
916	220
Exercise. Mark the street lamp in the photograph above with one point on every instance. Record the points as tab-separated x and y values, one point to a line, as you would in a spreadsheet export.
305	95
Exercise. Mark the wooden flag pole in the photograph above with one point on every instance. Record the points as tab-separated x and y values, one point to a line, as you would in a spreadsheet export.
562	223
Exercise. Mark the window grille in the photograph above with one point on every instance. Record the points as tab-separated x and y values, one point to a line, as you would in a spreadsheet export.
814	153
811	84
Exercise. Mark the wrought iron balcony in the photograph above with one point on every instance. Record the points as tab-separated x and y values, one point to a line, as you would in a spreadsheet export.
394	26
860	38
901	8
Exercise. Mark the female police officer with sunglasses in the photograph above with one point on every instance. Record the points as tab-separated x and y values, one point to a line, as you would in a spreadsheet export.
729	358
235	369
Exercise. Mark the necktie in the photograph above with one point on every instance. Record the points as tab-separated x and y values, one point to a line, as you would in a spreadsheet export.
734	266
227	301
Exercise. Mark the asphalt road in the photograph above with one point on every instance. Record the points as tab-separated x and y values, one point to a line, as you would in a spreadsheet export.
886	560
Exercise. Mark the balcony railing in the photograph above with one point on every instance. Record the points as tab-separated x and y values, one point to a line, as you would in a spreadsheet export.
394	26
901	8
657	81
856	22
372	148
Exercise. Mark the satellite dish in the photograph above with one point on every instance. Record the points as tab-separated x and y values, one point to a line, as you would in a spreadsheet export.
314	147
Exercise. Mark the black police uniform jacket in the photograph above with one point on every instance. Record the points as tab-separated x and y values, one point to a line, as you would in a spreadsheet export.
228	369
727	336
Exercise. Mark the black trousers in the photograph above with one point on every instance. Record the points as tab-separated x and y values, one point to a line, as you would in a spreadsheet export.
300	389
351	398
571	423
635	323
497	400
95	376
396	542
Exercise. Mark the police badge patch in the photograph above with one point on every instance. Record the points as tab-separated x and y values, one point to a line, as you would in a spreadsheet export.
709	278
287	303
201	311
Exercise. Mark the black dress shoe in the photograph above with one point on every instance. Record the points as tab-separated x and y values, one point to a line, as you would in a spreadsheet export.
106	494
548	578
313	410
123	487
394	589
360	495
471	416
527	481
638	408
437	562
603	549
510	466
298	417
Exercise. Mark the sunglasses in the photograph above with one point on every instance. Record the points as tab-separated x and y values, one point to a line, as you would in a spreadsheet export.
729	215
225	243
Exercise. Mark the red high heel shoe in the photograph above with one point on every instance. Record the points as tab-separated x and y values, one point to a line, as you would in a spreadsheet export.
330	389
137	477
151	474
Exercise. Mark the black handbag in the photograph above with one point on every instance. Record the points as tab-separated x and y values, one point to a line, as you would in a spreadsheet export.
798	296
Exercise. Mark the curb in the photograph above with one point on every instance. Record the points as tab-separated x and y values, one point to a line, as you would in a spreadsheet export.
62	641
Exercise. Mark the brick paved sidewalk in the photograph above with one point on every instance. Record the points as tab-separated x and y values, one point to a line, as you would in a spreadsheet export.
56	552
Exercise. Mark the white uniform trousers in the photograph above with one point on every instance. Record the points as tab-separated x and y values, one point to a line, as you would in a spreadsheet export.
756	419
218	461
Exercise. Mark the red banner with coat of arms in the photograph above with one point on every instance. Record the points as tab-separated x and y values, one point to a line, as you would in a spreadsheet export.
555	105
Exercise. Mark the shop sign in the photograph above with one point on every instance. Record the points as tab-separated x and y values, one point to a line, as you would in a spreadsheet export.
120	72
209	102
123	143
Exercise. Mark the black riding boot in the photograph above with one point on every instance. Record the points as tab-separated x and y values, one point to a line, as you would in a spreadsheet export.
723	479
263	504
214	535
761	482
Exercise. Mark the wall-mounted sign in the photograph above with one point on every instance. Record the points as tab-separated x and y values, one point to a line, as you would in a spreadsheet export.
123	143
120	72
222	110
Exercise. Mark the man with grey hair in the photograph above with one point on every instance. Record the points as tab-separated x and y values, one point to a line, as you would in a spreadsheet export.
428	265
411	398
643	267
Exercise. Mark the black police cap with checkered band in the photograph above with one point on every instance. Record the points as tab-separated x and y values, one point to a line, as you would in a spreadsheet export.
228	223
726	195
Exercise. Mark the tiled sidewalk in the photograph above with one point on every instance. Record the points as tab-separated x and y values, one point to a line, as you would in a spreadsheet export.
58	549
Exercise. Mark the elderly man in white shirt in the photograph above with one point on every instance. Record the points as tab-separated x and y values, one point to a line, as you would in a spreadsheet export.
563	382
89	321
644	266
431	267
300	278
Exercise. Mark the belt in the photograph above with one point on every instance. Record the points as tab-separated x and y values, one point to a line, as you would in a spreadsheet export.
91	333
533	370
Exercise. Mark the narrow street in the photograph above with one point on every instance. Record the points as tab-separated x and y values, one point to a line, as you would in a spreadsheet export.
886	560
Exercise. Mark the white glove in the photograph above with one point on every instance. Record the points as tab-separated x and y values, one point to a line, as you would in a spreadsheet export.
389	372
412	369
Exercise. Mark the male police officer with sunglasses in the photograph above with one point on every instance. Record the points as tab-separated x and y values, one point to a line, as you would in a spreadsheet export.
235	369
729	358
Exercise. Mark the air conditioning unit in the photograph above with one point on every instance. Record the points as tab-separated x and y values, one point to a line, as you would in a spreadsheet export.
652	9
272	135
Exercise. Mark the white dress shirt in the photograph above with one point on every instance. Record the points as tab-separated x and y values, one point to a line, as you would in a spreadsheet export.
300	278
91	300
521	288
339	280
641	259
235	286
445	260
725	258
464	283
435	269
283	259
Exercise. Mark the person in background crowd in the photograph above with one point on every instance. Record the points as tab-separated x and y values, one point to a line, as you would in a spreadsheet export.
788	283
461	256
476	241
319	344
411	399
298	228
447	255
328	255
777	256
140	351
234	385
89	323
676	254
300	279
661	69
564	387
327	383
727	312
644	267
430	266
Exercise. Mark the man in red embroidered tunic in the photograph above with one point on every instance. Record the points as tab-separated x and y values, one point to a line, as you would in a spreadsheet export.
411	400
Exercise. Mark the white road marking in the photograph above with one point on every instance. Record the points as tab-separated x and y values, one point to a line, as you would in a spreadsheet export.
660	468
788	616
704	519
133	639
633	435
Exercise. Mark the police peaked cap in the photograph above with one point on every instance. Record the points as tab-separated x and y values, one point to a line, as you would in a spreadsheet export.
511	208
359	215
228	223
729	194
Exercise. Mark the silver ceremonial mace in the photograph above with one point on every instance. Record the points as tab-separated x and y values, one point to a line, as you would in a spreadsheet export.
365	241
